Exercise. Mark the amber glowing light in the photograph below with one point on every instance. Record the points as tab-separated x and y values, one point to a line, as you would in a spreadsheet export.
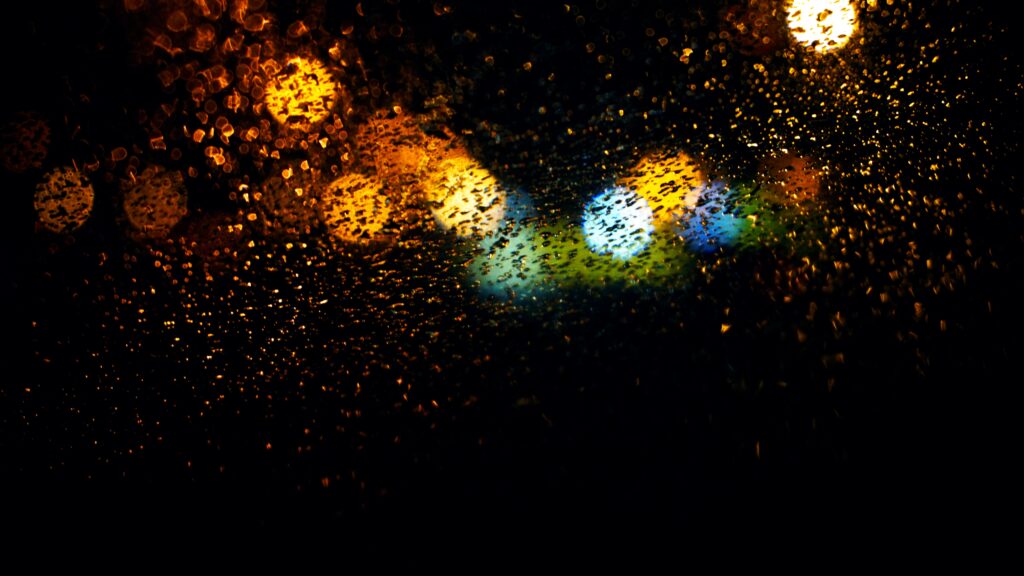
301	94
670	184
354	208
156	202
64	200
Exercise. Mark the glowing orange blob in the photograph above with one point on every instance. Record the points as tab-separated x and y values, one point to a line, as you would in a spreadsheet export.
302	94
64	200
354	208
399	149
156	202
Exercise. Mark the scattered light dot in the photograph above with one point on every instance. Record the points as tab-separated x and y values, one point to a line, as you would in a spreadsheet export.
618	222
64	200
824	25
510	264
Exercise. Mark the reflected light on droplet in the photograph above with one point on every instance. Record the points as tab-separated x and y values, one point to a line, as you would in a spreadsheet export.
824	25
157	202
354	208
64	200
466	197
618	222
669	183
301	94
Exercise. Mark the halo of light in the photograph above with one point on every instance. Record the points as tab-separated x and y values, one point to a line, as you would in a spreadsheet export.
63	200
157	201
466	197
712	224
301	94
618	222
669	183
824	25
354	208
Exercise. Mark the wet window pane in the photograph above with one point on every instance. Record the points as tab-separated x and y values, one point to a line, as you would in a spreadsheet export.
585	264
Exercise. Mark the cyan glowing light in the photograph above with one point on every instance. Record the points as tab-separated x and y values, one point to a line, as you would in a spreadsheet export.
618	222
509	265
712	224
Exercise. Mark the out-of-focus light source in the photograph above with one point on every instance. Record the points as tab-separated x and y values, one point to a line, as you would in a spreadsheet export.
712	224
354	208
466	198
156	202
823	25
401	152
670	184
618	222
509	264
790	179
63	200
301	94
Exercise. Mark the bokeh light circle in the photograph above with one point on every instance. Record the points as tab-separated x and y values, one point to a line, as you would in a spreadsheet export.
302	94
618	222
669	183
156	202
824	25
354	208
64	200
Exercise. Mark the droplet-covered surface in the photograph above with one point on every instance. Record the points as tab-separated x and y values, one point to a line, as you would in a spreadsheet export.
310	264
